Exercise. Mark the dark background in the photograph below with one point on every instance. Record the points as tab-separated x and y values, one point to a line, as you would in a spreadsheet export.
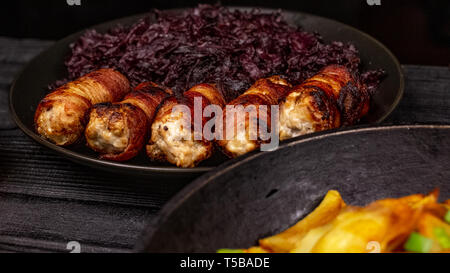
418	32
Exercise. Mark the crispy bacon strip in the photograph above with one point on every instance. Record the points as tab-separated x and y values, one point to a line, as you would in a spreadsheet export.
172	132
61	115
332	98
118	131
265	92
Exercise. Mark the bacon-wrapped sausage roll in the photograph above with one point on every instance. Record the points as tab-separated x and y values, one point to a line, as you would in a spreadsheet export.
326	101
118	131
61	115
172	133
266	92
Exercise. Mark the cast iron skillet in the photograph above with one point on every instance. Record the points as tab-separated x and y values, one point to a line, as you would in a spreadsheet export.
30	87
265	193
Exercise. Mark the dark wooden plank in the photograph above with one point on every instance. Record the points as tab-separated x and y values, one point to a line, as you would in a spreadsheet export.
48	224
14	54
426	98
24	161
7	74
42	195
20	51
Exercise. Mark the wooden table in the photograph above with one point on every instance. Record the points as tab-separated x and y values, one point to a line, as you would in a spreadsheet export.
47	201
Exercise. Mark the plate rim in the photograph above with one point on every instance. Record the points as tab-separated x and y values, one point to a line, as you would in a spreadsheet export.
179	198
149	170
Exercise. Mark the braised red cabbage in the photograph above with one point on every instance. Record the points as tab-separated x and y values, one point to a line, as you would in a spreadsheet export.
210	44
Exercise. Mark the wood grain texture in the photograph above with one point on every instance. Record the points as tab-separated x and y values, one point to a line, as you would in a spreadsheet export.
426	98
47	201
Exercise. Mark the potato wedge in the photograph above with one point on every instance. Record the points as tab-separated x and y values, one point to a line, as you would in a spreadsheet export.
257	249
355	228
290	239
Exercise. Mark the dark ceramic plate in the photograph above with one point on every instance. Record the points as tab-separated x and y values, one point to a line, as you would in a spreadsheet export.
30	87
265	193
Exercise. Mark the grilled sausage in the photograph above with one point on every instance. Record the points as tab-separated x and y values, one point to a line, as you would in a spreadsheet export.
265	92
61	115
172	132
118	131
332	98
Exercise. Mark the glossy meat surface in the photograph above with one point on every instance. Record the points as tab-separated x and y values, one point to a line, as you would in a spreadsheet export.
61	115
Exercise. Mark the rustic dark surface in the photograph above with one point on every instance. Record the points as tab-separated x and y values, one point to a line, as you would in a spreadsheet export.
47	201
